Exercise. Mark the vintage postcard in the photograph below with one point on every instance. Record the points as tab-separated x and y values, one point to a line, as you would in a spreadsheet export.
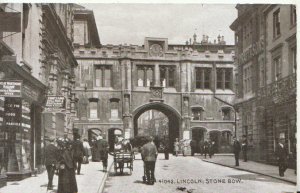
148	97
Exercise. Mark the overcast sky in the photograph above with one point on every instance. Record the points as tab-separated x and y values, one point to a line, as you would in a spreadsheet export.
131	23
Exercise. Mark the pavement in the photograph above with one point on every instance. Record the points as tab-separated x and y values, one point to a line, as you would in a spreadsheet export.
91	180
251	166
191	174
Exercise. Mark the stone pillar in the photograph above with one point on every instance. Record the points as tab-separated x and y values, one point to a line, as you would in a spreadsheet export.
156	75
167	76
186	125
145	77
127	117
103	76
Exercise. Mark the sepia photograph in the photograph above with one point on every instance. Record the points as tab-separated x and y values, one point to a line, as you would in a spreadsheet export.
148	97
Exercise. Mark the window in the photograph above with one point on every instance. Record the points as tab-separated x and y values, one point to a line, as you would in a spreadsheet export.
93	104
247	78
293	15
277	68
145	76
276	23
203	76
226	113
167	76
114	108
293	59
197	113
261	73
224	78
103	76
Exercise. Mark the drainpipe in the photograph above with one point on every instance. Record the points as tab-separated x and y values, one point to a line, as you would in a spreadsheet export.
235	119
231	105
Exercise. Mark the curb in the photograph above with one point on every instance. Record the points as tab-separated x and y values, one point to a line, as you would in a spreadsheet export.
292	182
101	187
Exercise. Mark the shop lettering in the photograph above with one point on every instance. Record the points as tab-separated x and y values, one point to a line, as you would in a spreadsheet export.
254	50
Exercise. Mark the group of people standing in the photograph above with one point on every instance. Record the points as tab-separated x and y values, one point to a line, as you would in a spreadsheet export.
64	157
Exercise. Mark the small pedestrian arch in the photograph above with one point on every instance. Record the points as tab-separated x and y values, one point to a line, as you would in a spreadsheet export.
112	133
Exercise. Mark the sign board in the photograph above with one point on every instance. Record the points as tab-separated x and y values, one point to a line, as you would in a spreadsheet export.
127	135
13	113
55	103
10	88
186	134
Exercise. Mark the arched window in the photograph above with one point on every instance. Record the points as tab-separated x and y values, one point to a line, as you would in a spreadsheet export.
227	113
198	113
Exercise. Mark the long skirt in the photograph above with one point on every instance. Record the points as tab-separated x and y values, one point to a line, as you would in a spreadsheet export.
67	181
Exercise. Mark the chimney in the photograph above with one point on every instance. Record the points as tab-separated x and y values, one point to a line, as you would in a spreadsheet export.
190	41
195	38
219	39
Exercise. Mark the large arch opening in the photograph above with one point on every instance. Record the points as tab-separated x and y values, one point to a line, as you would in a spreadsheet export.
166	133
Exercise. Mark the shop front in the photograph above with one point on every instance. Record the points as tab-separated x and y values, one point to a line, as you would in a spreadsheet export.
21	100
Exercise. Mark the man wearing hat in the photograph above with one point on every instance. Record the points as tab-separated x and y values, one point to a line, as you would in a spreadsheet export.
149	155
51	158
281	155
236	150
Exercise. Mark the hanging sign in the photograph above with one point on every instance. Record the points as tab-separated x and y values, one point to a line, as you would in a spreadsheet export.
10	88
55	103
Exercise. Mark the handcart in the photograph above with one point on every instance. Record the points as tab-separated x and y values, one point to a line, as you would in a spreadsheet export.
123	159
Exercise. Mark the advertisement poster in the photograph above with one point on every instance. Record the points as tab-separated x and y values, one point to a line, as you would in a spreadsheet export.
149	97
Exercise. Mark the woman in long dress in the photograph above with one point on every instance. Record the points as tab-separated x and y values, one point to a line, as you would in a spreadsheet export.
66	176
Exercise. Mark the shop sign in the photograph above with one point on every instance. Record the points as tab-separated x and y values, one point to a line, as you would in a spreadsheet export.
10	88
12	113
30	92
55	103
254	50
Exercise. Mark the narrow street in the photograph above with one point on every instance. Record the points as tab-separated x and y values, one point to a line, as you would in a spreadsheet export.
196	176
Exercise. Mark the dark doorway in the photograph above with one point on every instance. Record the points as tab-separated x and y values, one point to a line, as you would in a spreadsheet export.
92	135
198	136
168	134
214	136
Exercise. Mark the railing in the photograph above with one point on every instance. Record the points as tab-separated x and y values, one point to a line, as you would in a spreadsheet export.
278	89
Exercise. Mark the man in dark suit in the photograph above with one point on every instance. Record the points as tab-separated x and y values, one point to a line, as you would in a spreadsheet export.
245	147
78	152
282	155
236	150
149	155
102	147
51	158
193	145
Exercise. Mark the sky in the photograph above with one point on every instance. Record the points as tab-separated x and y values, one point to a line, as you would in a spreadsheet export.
131	23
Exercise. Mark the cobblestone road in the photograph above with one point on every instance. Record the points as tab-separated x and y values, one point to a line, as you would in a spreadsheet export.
196	176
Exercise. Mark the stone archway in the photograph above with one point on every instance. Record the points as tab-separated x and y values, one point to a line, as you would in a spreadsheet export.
173	116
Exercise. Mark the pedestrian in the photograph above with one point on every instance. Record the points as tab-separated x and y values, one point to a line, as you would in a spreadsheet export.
166	151
51	159
193	145
281	155
205	148
102	147
245	147
87	149
176	147
149	154
201	146
78	152
236	150
66	175
211	148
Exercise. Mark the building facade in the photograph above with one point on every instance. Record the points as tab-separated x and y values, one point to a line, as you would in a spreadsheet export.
115	84
266	86
37	51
